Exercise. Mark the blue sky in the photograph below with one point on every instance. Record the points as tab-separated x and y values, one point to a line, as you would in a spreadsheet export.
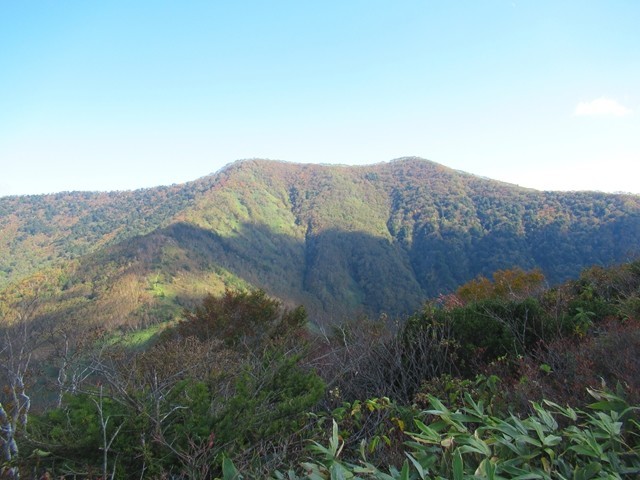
119	95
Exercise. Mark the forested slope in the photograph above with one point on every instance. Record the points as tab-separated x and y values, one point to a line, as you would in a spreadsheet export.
39	230
340	240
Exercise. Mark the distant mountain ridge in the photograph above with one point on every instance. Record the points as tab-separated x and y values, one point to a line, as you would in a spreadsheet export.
342	240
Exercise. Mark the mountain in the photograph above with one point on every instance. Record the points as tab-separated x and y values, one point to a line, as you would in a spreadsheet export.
342	240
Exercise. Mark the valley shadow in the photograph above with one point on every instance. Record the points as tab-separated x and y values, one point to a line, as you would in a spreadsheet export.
334	274
339	274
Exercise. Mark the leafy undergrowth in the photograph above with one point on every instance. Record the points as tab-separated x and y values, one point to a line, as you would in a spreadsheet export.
554	442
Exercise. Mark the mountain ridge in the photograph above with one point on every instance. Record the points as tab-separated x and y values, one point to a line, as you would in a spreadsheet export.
342	240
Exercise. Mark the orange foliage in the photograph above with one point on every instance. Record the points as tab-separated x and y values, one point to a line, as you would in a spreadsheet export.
512	284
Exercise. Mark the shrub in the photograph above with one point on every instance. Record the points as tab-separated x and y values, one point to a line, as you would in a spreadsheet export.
563	369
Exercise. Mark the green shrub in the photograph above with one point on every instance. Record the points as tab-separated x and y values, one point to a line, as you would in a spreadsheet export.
270	402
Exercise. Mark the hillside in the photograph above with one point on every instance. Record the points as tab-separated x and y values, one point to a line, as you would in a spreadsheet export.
38	230
340	240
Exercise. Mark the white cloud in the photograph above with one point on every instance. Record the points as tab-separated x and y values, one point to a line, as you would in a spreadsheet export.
601	107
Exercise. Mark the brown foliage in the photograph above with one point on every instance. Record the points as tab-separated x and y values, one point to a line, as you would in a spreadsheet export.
249	319
367	359
564	369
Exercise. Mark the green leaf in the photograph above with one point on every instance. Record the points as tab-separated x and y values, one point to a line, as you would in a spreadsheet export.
551	440
475	446
40	453
438	405
515	448
545	416
404	474
567	412
418	466
476	408
458	466
338	472
313	471
537	426
334	441
461	417
373	444
229	470
529	440
508	429
589	471
512	467
489	469
426	435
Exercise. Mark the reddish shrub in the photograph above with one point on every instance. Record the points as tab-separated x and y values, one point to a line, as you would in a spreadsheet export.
563	370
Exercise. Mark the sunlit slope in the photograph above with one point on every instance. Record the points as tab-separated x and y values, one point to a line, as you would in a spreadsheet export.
40	230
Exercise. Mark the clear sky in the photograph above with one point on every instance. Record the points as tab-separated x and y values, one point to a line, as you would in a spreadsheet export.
116	95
